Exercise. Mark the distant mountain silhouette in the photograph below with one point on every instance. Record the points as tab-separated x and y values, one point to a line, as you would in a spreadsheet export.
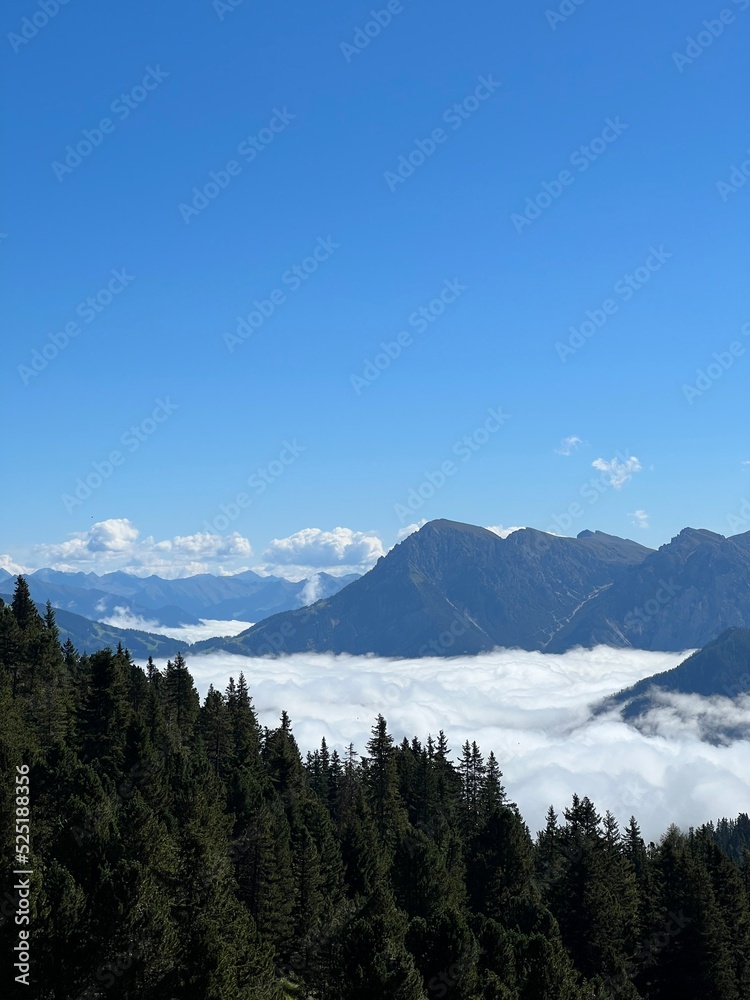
453	589
242	597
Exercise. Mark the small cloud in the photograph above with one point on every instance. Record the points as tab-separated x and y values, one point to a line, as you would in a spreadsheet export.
11	566
501	531
312	591
568	445
617	473
639	518
125	618
410	529
745	464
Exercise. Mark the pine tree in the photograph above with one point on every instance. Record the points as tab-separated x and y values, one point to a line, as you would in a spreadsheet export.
374	961
686	951
11	640
381	783
245	728
181	699
493	794
215	727
24	609
51	696
221	954
106	713
595	897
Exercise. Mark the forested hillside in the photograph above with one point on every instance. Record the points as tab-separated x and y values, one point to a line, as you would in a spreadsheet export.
180	850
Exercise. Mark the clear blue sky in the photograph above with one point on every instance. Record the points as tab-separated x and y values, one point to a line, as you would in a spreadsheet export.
327	173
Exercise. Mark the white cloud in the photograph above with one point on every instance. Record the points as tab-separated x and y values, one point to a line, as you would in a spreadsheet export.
9	564
116	544
532	709
207	628
672	715
337	552
617	473
410	529
639	518
205	545
501	531
312	591
116	535
568	445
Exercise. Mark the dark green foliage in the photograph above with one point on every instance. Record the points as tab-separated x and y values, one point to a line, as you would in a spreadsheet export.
180	852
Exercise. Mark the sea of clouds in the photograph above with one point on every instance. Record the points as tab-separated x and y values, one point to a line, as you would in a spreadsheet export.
533	709
206	628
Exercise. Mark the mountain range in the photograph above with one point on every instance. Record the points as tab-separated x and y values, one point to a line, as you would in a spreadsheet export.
454	589
243	597
449	589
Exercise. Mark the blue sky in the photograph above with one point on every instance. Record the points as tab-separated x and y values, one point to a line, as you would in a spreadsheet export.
305	129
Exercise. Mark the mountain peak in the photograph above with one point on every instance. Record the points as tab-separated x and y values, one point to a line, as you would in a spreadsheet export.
701	535
444	524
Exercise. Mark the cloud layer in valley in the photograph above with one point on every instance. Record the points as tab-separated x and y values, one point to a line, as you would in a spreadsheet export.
207	628
532	709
